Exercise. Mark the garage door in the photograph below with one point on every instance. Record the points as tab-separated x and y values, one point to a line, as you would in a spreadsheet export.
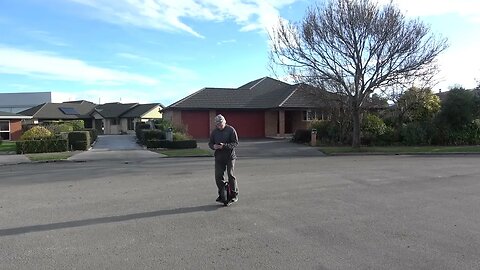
249	124
197	123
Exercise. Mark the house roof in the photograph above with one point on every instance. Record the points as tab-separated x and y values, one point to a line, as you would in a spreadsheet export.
9	115
263	93
141	109
60	110
114	110
82	109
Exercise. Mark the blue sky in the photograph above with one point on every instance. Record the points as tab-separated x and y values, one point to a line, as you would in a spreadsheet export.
162	50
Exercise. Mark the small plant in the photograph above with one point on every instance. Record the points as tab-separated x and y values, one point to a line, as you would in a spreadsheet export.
178	136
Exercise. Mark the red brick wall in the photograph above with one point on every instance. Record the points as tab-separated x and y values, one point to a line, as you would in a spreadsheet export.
271	123
15	129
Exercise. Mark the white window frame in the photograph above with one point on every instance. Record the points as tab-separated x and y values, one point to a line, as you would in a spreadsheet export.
312	115
6	131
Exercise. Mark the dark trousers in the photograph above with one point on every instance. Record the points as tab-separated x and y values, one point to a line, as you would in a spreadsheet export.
220	167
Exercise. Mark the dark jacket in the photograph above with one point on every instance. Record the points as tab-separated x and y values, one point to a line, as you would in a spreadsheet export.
228	136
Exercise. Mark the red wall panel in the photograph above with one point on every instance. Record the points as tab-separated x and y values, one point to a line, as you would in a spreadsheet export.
248	124
197	123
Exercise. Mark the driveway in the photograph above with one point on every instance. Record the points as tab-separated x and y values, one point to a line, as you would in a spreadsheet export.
271	148
115	147
124	147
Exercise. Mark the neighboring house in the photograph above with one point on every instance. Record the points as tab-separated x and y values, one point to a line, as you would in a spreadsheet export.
109	118
11	125
117	118
17	102
52	112
262	108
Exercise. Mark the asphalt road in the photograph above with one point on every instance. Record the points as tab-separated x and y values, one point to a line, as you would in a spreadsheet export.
375	212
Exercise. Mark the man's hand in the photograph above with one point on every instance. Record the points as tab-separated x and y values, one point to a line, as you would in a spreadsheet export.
218	146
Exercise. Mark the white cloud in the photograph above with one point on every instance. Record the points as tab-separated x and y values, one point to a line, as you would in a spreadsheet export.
167	14
53	67
226	41
466	8
459	66
46	37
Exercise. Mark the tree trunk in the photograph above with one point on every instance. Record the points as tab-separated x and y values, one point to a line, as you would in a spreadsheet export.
356	125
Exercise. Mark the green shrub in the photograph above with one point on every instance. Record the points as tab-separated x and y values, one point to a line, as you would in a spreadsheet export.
372	127
156	143
162	124
77	125
389	137
145	135
302	135
469	135
79	140
185	144
41	146
36	133
57	128
417	133
93	134
178	136
330	132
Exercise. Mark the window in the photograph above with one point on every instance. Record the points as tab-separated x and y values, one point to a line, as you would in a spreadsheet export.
130	123
114	121
311	115
5	130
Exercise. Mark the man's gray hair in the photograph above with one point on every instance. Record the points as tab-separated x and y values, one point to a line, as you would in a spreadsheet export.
219	119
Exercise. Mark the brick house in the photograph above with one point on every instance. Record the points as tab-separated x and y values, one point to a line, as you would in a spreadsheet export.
262	108
11	125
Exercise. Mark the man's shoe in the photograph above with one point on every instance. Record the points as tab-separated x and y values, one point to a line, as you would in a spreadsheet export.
234	199
219	200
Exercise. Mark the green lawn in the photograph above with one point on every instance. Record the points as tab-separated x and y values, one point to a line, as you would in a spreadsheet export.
49	156
332	150
196	152
7	146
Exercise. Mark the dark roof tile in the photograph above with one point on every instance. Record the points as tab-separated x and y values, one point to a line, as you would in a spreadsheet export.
140	110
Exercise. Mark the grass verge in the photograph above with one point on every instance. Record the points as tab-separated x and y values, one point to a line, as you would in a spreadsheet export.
7	146
196	152
49	156
332	150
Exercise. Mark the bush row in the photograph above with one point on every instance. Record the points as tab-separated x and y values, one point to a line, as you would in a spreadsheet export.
41	146
186	144
79	140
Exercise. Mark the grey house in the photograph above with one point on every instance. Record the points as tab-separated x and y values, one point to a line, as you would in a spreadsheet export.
109	118
118	118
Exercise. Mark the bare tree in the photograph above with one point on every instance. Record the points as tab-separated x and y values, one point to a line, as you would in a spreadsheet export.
355	47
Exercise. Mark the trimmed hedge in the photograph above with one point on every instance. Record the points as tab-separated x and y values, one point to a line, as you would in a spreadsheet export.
93	134
186	144
302	135
145	135
79	140
41	146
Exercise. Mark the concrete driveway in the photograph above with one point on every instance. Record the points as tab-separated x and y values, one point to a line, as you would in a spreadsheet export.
271	148
124	147
115	147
